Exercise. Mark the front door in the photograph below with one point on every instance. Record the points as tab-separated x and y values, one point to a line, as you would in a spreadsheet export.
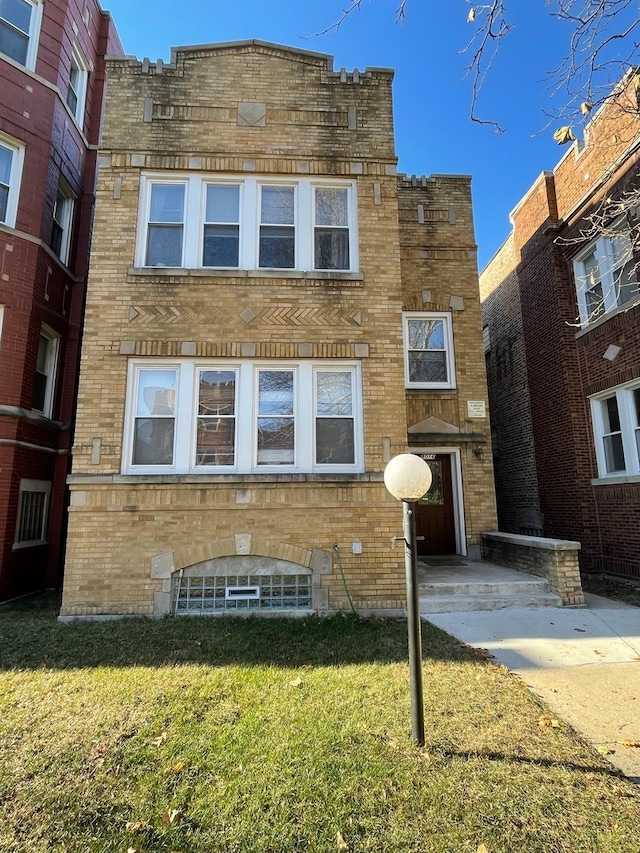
435	515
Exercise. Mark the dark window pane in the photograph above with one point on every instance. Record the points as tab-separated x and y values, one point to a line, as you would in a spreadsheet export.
39	391
435	495
16	12
153	442
6	158
221	243
428	366
167	203
276	438
72	99
614	453
595	302
217	392
332	206
612	416
165	246
4	198
13	43
277	247
335	441
57	234
331	249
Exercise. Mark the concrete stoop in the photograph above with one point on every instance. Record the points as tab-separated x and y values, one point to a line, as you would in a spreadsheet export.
451	594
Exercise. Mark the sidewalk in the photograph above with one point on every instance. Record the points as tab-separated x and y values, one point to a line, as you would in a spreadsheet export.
583	663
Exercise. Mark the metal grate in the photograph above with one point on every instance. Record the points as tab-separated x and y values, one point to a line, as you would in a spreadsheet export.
210	594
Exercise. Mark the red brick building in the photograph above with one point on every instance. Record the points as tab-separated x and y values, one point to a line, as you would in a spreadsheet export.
51	96
561	310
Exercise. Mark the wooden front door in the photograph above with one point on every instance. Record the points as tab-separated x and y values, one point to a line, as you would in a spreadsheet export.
435	513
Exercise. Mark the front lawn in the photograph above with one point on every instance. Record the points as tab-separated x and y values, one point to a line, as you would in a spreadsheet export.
209	735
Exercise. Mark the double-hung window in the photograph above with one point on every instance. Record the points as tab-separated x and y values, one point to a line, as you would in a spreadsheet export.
615	416
606	275
11	159
19	26
243	417
45	376
62	221
428	350
247	223
77	85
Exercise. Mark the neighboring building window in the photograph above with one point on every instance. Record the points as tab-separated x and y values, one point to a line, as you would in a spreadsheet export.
62	220
616	425
220	417
11	159
46	363
19	26
606	276
486	339
33	508
428	351
77	85
247	223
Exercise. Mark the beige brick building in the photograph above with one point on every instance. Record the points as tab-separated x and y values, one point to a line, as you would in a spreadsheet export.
272	315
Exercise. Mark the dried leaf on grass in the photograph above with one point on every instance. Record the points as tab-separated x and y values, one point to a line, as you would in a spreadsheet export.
630	743
546	722
172	816
482	848
160	739
136	825
178	768
342	844
297	682
603	749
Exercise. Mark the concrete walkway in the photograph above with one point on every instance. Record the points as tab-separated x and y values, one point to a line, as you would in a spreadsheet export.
583	663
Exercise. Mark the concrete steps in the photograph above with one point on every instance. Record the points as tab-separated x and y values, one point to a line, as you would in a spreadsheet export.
448	593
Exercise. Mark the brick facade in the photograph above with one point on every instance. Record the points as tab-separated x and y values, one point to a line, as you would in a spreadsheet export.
540	402
36	288
256	110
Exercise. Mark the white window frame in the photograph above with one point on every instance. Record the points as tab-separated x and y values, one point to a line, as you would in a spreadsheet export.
33	35
1	320
33	487
50	371
629	429
63	220
246	396
446	319
15	176
78	64
249	238
609	269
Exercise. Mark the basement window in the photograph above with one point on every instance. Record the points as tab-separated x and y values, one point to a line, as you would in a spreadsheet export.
207	594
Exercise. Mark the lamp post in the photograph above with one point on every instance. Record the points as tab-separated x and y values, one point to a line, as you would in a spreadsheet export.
408	478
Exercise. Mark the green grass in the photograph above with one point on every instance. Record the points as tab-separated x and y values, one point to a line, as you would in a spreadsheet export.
273	736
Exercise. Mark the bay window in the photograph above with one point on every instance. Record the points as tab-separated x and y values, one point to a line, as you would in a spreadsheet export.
247	223
243	417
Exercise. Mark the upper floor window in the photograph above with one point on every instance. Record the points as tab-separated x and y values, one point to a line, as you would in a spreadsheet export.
606	276
616	425
62	220
11	158
46	364
242	417
428	351
247	223
19	25
77	85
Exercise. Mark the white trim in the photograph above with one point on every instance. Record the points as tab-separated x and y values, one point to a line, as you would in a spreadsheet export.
629	430
445	317
15	177
456	489
185	414
249	236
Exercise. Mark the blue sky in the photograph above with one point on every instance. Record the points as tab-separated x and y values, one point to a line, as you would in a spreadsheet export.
431	98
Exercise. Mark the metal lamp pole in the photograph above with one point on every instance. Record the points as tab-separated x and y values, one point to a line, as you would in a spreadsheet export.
408	478
413	621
